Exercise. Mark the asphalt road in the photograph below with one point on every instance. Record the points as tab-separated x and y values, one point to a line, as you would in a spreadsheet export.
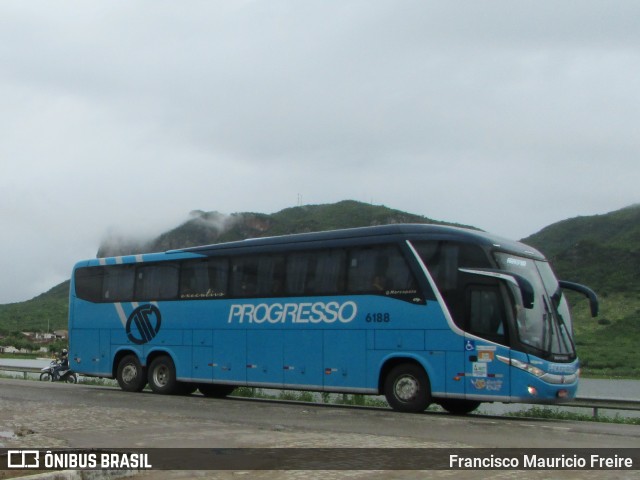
48	415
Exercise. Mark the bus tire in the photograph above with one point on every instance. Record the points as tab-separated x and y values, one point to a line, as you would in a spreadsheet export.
457	406
215	391
407	388
130	374
162	375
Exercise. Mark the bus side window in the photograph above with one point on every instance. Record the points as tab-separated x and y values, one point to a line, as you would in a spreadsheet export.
441	259
88	283
398	272
218	277
301	269
379	270
118	283
270	276
330	273
194	278
244	276
485	312
157	282
257	275
316	273
365	274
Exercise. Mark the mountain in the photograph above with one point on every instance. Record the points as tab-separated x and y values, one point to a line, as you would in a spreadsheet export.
205	228
602	251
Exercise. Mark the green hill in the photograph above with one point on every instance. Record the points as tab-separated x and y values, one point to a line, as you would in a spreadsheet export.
602	250
46	311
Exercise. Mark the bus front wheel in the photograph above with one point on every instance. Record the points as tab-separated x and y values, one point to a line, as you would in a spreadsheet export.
130	375
407	388
162	375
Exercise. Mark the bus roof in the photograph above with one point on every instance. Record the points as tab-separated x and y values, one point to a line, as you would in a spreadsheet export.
382	233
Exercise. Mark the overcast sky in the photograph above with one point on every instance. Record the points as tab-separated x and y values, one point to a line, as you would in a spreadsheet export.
123	116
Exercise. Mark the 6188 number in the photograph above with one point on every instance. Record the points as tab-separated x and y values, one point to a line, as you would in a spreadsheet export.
378	317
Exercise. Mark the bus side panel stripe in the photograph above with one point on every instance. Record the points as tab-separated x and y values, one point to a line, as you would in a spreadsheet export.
121	314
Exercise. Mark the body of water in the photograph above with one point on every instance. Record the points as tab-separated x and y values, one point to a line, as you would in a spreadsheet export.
30	363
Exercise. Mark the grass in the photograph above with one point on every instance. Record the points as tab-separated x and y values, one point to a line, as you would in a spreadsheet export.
552	413
606	345
22	356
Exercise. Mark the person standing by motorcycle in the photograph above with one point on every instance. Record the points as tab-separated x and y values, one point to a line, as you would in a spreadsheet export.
63	364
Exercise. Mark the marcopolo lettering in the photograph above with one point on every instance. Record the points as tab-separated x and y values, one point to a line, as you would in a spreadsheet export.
318	312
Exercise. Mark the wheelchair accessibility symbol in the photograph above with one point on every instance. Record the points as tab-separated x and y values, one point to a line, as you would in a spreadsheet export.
143	324
470	346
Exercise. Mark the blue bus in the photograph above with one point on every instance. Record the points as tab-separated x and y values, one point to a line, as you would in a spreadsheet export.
420	313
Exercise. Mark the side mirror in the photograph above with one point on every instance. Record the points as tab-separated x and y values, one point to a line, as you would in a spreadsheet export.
586	291
524	285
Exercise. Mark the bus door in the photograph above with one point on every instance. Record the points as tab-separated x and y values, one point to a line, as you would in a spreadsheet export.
485	341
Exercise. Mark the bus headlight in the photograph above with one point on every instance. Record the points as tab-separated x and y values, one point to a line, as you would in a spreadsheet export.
522	366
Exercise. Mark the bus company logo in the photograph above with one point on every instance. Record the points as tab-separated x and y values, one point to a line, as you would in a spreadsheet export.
318	312
143	324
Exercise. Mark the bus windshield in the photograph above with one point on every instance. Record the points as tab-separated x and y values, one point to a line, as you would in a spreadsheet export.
546	327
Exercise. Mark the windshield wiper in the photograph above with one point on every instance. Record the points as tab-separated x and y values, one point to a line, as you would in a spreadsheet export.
560	325
548	327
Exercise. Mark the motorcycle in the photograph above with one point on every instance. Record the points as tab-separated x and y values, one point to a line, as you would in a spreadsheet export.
64	375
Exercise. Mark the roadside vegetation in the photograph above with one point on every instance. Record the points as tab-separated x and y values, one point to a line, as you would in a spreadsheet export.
555	413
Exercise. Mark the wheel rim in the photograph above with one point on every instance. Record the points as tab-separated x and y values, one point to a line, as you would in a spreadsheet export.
129	373
161	376
406	388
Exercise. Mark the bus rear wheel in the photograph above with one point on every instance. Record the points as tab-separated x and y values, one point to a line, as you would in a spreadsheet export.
162	375
407	388
130	375
457	406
